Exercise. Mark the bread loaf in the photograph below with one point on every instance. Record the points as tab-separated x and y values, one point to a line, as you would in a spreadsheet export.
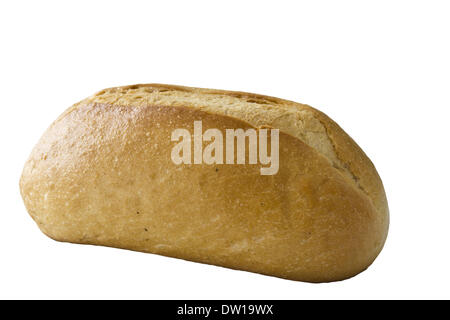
104	173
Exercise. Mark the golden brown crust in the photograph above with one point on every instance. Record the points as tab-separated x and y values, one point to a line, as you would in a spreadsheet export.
102	174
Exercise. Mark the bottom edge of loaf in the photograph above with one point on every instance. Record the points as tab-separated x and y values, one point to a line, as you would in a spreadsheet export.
310	278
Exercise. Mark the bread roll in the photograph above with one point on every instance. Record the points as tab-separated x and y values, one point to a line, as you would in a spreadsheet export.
103	174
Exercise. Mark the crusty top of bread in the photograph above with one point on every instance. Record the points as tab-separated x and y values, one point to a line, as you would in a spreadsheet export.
301	121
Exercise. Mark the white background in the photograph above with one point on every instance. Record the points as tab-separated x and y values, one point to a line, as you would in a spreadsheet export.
381	69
